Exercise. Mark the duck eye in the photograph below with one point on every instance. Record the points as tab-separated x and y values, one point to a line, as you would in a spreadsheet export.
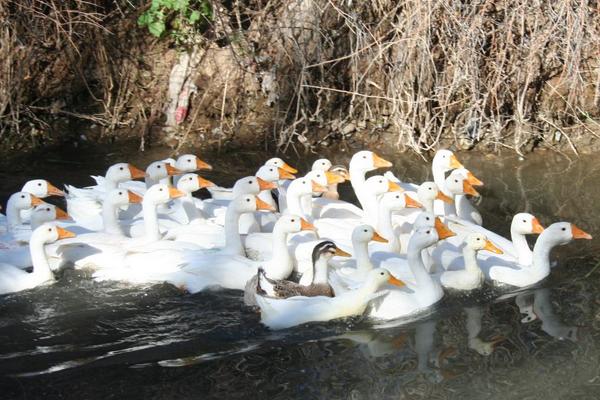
39	184
270	169
158	166
121	168
428	232
293	220
381	273
427	218
250	182
524	221
189	160
456	180
365	157
120	193
47	209
247	200
380	181
564	229
161	189
397	196
430	188
49	229
22	196
365	231
303	182
478	239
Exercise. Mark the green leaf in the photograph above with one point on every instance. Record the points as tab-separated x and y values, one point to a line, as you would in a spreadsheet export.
206	9
157	28
143	19
194	16
180	5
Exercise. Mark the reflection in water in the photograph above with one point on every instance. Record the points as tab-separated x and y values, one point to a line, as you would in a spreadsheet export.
82	339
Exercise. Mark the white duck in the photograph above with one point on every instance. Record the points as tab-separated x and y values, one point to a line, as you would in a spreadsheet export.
14	279
285	313
40	188
559	233
194	270
19	255
388	204
189	163
464	208
426	291
470	277
187	208
17	202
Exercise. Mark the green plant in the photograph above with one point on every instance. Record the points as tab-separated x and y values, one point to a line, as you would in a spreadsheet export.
181	16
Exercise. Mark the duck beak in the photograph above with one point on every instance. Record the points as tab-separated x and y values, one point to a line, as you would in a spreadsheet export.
379	162
36	201
378	238
441	196
536	227
203	165
579	234
468	189
53	190
136	173
61	214
261	205
411	203
394	187
316	188
283	174
134	198
172	170
341	253
204	183
489	246
306	226
333	178
289	169
64	234
175	193
442	230
264	185
473	180
392	280
454	163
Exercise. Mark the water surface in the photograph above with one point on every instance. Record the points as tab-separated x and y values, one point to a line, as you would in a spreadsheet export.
86	340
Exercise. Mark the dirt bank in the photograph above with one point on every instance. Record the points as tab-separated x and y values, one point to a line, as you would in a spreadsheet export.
489	75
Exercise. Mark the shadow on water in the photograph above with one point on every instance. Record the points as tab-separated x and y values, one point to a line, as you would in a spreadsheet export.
87	340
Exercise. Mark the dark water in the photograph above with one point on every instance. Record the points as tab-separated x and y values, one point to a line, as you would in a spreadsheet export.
86	340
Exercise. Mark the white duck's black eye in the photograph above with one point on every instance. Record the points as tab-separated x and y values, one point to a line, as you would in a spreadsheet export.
323	163
427	218
430	188
564	229
189	160
398	196
456	180
121	168
380	181
120	193
365	231
39	184
428	232
318	175
250	182
47	209
22	196
49	229
158	166
247	200
161	189
365	157
524	221
191	178
293	220
478	239
382	273
303	182
270	169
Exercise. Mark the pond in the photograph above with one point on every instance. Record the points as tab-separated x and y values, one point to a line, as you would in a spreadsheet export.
87	340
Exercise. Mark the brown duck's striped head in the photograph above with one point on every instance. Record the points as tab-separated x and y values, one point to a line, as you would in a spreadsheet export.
327	249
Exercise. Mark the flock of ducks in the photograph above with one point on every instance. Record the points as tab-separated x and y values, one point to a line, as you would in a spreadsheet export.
298	252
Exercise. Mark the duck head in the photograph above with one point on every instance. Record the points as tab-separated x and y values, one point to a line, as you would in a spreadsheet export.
159	170
366	161
429	191
379	184
41	188
47	233
248	203
24	200
425	219
123	172
380	276
397	201
457	184
325	250
564	232
122	197
160	194
322	164
190	162
305	186
46	213
279	163
293	224
341	171
271	173
526	224
478	241
425	237
324	178
366	233
445	160
189	183
252	185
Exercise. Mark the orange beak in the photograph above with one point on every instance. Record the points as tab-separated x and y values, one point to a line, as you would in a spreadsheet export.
289	169
441	196
333	178
468	189
442	230
64	234
341	253
175	193
473	180
489	246
454	163
378	238
203	165
134	198
53	190
316	188
204	183
394	187
379	162
264	185
579	234
411	203
36	201
136	173
261	205
61	214
392	280
306	226
283	174
172	170
536	227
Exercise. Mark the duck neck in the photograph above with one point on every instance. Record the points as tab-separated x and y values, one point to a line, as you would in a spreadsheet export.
357	180
370	209
470	257
150	182
150	220
524	253
189	207
13	215
415	263
294	205
386	228
41	268
320	271
110	220
233	241
280	266
428	204
541	253
361	253
439	179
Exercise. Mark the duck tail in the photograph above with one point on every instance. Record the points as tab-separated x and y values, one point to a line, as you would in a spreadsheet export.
261	274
